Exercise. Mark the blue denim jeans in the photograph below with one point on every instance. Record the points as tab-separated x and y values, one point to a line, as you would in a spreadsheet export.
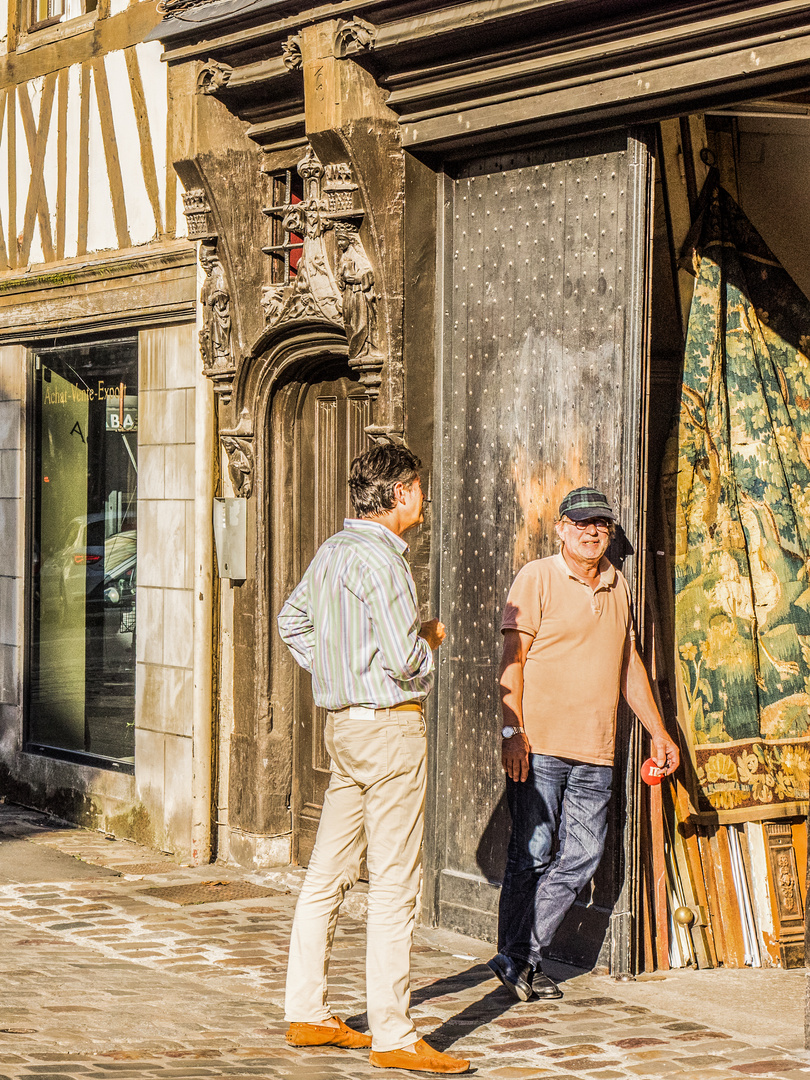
563	799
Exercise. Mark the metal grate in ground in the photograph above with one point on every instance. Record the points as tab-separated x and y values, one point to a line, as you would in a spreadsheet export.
208	892
146	868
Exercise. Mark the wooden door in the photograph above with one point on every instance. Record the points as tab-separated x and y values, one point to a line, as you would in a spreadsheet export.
542	391
329	433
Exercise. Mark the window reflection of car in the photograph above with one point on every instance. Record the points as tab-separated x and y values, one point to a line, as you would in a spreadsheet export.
76	568
111	604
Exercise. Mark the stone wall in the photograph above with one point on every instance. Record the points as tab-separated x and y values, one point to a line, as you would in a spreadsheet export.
154	806
163	709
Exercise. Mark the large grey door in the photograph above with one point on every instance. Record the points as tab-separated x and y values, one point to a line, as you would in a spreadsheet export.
542	389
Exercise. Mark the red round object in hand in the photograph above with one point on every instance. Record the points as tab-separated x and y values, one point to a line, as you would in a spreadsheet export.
651	773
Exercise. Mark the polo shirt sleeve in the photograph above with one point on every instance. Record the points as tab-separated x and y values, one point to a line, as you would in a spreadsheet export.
523	609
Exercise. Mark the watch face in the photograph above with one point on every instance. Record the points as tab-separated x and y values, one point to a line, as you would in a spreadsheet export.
507	732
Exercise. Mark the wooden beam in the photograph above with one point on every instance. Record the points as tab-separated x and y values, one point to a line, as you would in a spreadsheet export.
655	92
683	172
13	26
11	138
144	136
147	284
727	893
712	898
100	37
84	159
3	252
36	206
659	877
171	175
61	162
105	115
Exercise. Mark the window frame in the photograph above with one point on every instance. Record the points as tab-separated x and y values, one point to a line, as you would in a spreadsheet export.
280	253
40	748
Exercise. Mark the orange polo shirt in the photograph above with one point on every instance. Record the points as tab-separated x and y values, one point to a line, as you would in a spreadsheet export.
571	679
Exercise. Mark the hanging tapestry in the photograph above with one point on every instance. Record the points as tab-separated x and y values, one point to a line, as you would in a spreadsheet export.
742	527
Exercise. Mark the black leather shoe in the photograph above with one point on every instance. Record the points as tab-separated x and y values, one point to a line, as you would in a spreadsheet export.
514	975
543	986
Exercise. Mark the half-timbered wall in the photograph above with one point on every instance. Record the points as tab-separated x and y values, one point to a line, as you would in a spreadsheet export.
92	242
83	159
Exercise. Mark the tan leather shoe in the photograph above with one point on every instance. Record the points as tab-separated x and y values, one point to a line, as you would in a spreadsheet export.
326	1035
422	1058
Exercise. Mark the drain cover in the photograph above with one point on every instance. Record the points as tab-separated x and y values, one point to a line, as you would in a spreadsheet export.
208	892
147	868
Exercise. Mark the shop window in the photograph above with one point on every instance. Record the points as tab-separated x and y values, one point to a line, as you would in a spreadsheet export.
284	248
81	662
49	12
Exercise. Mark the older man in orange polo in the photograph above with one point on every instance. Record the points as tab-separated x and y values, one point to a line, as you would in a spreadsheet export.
569	651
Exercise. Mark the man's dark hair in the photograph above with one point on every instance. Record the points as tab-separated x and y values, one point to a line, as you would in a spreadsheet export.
374	474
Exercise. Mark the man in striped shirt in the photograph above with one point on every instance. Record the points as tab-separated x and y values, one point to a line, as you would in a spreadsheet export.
353	622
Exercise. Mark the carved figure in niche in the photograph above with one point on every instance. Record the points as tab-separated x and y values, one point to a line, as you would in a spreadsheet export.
215	336
355	278
313	293
240	465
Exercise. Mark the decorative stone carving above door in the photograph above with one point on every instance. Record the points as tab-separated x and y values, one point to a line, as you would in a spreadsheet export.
331	282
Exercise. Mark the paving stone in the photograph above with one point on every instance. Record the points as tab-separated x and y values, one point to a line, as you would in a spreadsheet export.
104	982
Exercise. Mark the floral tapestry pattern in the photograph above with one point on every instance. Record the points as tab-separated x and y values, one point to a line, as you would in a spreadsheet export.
742	527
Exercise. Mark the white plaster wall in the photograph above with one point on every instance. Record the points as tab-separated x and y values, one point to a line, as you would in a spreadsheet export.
163	709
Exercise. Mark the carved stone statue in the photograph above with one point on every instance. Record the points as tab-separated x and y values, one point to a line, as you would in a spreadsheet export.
355	278
313	292
334	286
240	464
215	336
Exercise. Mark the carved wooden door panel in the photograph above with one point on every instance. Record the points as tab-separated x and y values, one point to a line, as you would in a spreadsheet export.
542	391
330	432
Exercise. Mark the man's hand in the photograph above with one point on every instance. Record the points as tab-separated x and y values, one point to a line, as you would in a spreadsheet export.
434	632
665	752
515	756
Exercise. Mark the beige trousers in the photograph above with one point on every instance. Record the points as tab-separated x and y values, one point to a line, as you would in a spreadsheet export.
374	805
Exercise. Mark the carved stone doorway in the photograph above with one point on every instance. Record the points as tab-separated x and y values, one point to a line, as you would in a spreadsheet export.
329	431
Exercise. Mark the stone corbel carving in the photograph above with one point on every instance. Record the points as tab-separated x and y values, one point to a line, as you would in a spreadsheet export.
240	464
212	77
353	37
216	339
197	213
291	53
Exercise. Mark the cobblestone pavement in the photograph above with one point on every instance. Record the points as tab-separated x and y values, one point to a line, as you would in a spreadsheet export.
100	976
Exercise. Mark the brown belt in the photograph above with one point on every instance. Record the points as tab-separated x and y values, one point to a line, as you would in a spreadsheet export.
406	706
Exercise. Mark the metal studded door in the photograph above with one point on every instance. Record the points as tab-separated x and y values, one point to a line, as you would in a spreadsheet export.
542	391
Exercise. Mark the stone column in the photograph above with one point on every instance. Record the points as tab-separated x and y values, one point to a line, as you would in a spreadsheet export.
347	120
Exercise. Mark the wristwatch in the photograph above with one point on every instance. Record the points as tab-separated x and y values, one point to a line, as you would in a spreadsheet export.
508	732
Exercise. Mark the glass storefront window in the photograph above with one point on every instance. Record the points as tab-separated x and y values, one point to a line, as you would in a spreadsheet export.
81	666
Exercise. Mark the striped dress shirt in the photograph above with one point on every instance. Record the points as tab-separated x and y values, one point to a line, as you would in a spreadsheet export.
353	621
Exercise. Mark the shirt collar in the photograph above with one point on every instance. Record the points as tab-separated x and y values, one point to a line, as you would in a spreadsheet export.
376	529
607	575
